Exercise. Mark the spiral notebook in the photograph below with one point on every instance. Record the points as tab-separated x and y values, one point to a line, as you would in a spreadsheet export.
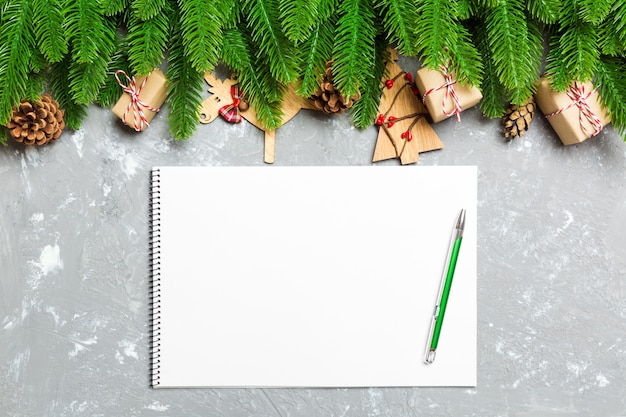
309	276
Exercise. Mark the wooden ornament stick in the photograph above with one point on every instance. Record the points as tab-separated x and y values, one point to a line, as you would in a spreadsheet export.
292	104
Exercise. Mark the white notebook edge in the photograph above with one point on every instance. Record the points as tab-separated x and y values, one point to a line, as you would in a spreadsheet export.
155	296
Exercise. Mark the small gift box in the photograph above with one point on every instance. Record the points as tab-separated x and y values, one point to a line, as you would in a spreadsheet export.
141	99
443	96
575	114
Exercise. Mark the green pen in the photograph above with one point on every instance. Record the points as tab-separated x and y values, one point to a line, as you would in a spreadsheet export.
444	289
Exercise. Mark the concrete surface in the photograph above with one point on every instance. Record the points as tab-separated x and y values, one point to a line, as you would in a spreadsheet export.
74	278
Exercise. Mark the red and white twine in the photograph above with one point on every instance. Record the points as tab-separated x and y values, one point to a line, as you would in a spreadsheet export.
579	99
136	104
450	91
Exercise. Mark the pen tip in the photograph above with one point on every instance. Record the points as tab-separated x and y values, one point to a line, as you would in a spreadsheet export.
460	223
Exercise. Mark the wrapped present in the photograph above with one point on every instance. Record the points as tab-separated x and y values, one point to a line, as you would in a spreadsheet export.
141	99
443	96
575	114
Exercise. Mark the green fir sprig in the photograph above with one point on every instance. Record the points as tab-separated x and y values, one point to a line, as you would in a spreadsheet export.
73	48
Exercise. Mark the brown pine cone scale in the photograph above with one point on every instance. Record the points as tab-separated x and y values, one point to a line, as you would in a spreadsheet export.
517	119
327	98
37	123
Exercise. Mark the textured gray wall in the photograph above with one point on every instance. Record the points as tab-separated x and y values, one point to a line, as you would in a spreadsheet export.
74	279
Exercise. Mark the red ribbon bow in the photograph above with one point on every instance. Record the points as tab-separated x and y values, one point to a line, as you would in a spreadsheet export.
231	112
136	104
579	99
450	91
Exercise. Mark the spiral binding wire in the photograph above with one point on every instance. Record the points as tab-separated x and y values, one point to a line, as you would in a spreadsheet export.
155	277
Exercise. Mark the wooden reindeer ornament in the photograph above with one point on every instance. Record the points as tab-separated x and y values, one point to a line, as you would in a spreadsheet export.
222	95
404	131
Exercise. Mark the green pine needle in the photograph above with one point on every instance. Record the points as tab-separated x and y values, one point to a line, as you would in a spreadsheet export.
316	52
354	45
113	7
594	11
147	40
49	32
148	9
365	108
264	23
465	60
111	90
612	85
466	9
89	33
255	80
492	104
326	9
618	20
515	48
184	95
398	20
36	86
436	31
574	55
201	24
546	11
17	42
60	90
298	17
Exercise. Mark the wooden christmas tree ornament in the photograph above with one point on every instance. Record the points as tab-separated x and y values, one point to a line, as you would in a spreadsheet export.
404	131
222	95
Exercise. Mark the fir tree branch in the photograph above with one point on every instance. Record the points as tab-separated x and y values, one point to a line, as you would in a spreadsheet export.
147	40
255	81
326	9
437	30
612	86
514	48
365	108
618	19
492	104
298	17
184	95
264	23
574	50
465	60
466	9
49	32
60	90
147	9
546	11
88	32
201	23
36	85
398	20
354	45
111	91
316	51
112	7
594	11
17	41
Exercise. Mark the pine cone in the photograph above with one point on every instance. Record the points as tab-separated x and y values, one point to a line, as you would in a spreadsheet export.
37	123
328	99
517	119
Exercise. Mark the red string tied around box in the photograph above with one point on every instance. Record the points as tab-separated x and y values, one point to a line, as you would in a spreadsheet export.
136	104
579	99
450	92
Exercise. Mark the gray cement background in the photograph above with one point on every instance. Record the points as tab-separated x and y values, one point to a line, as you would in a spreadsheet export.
74	279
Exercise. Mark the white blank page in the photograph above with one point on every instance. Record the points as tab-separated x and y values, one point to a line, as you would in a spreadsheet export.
314	276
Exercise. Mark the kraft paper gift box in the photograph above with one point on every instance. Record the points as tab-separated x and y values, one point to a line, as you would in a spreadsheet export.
433	84
576	114
152	93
